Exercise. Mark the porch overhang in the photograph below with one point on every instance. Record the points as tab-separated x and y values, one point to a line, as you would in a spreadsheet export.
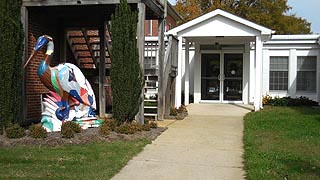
220	27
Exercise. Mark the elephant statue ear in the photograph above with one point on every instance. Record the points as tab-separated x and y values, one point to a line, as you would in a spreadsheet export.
41	42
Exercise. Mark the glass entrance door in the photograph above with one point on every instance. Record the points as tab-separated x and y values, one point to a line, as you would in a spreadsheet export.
221	77
210	77
233	73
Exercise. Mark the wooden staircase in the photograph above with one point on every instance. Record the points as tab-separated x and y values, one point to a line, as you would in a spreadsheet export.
151	80
85	47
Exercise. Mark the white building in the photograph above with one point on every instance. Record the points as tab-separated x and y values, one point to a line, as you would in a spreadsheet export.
226	59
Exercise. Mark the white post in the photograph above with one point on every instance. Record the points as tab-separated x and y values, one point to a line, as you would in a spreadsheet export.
265	71
246	74
258	74
186	74
292	73
179	75
197	75
252	80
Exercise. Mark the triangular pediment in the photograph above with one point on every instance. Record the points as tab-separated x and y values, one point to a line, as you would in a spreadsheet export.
219	23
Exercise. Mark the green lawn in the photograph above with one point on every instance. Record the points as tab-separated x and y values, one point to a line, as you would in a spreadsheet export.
91	161
282	142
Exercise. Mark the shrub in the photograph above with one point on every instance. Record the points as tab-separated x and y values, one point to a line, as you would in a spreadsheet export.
15	131
173	111
266	99
37	131
136	127
74	126
288	101
279	101
146	127
104	129
126	128
146	121
112	124
67	132
153	124
127	78
301	101
182	109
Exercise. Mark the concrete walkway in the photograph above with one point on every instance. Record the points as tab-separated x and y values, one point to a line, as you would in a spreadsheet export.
206	145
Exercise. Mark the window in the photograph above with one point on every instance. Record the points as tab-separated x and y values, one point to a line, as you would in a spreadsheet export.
306	73
278	73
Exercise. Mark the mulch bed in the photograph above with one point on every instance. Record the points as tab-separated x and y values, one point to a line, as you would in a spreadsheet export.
86	136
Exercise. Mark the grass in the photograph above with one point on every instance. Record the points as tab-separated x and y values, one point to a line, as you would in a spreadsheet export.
282	142
91	161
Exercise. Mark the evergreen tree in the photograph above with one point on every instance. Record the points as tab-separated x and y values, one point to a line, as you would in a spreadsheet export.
11	49
127	78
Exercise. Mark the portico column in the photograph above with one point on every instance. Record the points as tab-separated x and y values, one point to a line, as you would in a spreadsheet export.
258	74
186	73
179	75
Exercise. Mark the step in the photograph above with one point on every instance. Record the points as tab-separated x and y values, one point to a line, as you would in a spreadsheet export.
151	114
150	100
150	107
150	80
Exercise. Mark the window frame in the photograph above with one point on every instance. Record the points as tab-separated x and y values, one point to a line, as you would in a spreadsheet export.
301	69
279	70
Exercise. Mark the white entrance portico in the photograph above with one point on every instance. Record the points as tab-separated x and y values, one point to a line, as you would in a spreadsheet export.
220	59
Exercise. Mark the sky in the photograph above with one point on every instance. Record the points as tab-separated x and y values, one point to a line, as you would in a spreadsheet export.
306	9
309	10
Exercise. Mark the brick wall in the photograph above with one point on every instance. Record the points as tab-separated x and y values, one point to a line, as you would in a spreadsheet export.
34	87
170	23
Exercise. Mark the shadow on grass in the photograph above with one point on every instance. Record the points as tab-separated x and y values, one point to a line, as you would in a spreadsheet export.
300	167
307	110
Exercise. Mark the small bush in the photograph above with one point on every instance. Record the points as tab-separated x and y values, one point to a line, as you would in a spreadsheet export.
37	131
67	132
15	131
112	124
288	101
301	101
146	121
182	109
146	127
74	126
266	99
153	124
173	111
104	129
126	128
136	127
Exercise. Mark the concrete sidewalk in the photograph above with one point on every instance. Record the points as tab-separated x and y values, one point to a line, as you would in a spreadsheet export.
206	145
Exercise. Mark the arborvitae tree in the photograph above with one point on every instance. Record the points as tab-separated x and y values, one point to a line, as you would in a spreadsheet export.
11	49
126	74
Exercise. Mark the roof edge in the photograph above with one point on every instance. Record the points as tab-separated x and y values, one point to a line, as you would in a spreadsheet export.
262	29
